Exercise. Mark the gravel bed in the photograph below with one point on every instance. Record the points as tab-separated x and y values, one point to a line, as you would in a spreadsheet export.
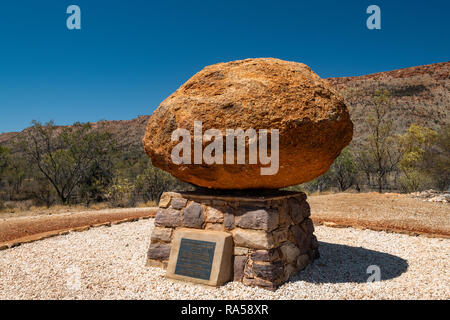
109	263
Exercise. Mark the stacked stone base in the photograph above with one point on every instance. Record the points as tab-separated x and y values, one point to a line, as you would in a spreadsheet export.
272	232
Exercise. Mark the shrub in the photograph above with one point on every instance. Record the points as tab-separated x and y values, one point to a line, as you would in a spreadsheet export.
414	180
120	193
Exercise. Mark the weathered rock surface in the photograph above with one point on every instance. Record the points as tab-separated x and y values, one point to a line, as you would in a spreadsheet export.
312	119
193	216
255	218
239	265
256	239
167	218
159	251
161	234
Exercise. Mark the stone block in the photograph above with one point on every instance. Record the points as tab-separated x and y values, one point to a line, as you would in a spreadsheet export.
302	240
290	252
193	216
280	235
308	226
228	219
240	251
164	201
168	218
284	213
269	271
256	239
265	255
178	203
298	210
257	218
159	251
214	215
161	234
239	265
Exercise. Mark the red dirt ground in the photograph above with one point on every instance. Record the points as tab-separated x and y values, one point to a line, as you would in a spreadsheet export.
389	212
29	228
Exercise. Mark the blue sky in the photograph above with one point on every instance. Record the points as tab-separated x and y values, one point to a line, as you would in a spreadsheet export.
130	55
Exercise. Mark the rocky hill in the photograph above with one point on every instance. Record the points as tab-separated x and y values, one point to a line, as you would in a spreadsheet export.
419	95
128	133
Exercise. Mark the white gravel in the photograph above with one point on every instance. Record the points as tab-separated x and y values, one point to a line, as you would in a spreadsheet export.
109	263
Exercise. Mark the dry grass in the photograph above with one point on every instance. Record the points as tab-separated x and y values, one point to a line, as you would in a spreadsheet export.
389	211
147	204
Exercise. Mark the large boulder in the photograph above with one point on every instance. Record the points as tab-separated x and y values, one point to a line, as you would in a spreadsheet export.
312	119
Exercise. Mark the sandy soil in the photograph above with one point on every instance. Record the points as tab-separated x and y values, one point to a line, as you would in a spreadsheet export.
389	212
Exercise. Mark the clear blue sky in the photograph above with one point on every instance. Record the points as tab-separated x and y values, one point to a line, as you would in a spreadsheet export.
130	55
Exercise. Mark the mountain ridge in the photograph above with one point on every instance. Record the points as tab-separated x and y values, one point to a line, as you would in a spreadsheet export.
420	94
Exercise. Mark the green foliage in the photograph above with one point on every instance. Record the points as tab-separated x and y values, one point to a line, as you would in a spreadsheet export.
13	172
417	145
4	159
440	168
40	190
83	164
65	156
378	156
343	171
120	192
414	180
152	182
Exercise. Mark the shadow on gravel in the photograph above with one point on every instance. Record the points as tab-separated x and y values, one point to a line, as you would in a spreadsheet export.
345	264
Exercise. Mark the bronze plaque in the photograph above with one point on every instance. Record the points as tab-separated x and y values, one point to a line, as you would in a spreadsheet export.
201	256
195	258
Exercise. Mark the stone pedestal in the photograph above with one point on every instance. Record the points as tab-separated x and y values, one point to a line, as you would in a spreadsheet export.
272	232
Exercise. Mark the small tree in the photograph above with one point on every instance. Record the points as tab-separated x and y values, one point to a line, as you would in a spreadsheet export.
416	145
343	170
66	155
379	154
120	192
365	165
41	190
440	170
14	175
153	182
4	155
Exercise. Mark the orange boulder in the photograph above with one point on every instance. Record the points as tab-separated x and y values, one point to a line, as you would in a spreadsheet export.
312	120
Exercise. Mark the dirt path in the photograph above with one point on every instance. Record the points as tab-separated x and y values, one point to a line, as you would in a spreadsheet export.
26	229
389	212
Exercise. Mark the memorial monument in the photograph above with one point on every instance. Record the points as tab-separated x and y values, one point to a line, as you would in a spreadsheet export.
240	131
